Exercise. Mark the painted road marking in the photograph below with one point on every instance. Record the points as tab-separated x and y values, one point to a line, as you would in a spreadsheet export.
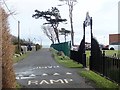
21	76
39	67
24	78
42	67
68	73
56	81
71	80
55	66
45	67
58	66
17	77
49	66
55	74
32	75
44	74
51	81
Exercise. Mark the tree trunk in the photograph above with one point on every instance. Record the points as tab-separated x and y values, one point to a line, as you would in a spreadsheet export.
56	32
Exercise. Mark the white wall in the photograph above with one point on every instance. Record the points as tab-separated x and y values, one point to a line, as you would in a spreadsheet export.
24	48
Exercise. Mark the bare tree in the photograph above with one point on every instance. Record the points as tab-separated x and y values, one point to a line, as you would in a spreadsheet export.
49	31
53	17
70	3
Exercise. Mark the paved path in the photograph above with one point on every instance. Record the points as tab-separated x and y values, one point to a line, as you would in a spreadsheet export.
39	70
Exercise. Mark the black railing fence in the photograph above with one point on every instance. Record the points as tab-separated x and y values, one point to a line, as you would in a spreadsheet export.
108	67
112	68
75	56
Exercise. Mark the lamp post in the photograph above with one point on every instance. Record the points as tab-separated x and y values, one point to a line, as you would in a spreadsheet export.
70	3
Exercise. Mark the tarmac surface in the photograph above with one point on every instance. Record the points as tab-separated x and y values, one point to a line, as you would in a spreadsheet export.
39	70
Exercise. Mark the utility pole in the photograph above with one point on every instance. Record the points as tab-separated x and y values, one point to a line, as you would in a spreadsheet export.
19	49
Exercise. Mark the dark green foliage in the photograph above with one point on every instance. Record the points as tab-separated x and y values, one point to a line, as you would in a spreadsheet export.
48	15
52	17
38	47
14	40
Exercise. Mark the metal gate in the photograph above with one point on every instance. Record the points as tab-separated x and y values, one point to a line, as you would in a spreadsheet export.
96	56
78	55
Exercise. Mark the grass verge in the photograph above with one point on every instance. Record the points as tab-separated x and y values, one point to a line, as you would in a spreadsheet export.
65	61
16	59
107	53
99	81
18	86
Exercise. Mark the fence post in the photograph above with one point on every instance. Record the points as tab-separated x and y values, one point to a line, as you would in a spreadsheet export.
90	62
119	69
84	60
103	63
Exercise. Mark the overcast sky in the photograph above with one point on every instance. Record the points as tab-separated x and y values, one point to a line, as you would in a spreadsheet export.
103	12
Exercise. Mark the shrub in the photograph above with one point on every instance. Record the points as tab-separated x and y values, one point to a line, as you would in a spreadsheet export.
8	76
60	53
38	47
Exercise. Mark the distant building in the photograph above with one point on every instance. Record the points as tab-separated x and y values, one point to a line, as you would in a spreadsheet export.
114	39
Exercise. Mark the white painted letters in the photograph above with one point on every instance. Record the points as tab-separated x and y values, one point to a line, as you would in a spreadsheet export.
32	82
56	81
68	80
44	82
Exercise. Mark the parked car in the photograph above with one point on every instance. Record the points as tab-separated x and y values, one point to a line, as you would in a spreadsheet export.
114	47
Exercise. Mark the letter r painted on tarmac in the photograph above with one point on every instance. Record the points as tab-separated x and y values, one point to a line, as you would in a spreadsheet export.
32	82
